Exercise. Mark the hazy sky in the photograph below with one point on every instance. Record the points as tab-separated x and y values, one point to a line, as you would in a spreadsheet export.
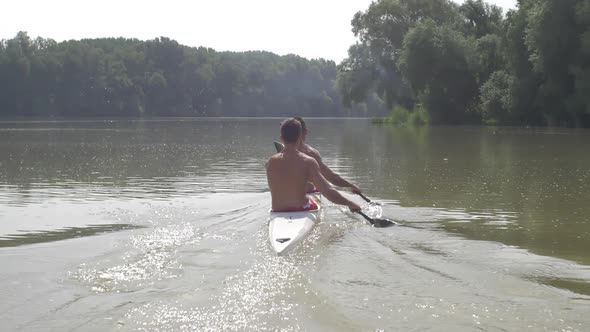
310	28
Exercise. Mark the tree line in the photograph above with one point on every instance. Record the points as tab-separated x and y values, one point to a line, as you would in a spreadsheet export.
113	77
470	63
455	64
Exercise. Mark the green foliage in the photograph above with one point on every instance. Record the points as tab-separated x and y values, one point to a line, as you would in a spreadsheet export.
436	61
356	75
128	77
471	64
401	116
372	63
496	99
480	19
419	117
488	57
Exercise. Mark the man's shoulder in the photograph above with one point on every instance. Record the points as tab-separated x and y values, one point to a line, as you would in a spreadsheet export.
280	157
273	159
308	160
311	151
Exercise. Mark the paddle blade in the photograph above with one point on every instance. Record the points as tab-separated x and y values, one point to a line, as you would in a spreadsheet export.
378	223
279	146
382	223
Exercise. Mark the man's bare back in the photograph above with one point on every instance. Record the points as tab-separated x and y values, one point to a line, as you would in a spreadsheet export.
289	171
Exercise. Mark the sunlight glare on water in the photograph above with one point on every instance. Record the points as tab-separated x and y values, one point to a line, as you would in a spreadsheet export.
162	226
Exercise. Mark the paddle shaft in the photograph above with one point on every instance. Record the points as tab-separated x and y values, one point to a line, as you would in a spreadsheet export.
364	197
369	219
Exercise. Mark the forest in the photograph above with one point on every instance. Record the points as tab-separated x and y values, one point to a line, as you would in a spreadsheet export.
116	77
473	64
466	63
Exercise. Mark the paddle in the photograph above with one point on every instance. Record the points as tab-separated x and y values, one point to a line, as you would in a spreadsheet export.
378	223
368	200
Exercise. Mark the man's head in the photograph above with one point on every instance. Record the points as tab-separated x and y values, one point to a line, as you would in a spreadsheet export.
291	131
303	126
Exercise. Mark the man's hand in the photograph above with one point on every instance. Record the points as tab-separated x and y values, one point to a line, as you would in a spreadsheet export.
355	189
354	207
309	187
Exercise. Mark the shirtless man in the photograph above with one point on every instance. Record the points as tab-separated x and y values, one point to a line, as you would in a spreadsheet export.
289	171
332	177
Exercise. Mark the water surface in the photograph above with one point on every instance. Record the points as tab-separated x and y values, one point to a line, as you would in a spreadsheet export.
160	225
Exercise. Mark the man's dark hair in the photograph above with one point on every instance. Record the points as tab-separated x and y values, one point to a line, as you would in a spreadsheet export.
291	130
303	126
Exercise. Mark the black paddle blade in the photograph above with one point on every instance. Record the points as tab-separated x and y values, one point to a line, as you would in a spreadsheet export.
378	223
279	146
382	223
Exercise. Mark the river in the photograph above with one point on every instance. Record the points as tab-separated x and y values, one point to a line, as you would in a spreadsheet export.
161	225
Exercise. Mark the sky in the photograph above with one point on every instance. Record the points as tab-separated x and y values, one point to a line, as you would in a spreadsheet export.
310	28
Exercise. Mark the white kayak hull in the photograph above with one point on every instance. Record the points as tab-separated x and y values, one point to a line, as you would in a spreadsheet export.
287	229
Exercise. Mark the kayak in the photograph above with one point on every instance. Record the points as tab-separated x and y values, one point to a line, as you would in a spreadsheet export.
287	229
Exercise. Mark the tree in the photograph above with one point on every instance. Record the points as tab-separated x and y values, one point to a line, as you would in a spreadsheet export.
480	19
129	77
372	63
467	62
436	62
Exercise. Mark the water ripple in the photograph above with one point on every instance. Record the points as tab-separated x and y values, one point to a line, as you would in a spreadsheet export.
152	257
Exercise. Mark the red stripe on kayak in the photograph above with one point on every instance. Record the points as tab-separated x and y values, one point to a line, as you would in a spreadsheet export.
312	207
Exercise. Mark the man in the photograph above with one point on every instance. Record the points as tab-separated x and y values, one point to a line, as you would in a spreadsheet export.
289	171
332	177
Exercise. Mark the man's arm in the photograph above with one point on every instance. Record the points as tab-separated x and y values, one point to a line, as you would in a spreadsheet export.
332	177
326	189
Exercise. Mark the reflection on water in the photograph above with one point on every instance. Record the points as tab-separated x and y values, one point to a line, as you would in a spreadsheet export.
524	187
128	159
498	237
269	293
530	186
152	257
581	286
14	240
